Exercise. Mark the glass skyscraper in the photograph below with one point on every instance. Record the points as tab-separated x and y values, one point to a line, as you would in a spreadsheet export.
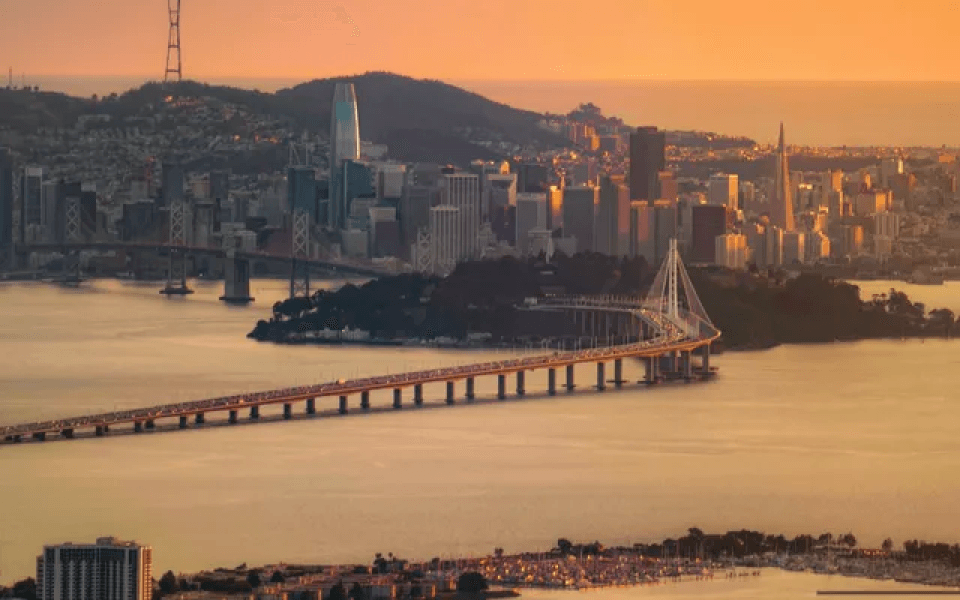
344	145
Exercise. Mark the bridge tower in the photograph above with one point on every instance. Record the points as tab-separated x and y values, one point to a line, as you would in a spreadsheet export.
72	235
177	265
300	227
673	295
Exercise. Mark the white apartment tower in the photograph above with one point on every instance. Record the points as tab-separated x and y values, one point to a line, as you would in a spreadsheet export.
109	569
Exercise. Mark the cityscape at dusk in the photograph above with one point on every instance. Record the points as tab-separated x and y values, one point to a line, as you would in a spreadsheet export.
468	301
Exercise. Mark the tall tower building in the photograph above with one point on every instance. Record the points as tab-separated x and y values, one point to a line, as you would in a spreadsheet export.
6	200
579	215
781	210
724	190
462	191
647	160
344	145
109	569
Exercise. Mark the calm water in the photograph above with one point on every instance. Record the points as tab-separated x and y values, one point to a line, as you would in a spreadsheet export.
815	113
857	437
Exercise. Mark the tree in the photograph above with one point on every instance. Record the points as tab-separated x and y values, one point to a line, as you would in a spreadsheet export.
356	592
168	583
338	592
564	545
471	582
277	577
253	578
26	589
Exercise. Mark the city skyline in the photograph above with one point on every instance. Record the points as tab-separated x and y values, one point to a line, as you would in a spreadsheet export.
743	40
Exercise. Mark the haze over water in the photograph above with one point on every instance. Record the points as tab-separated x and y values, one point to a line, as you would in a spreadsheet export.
816	113
849	437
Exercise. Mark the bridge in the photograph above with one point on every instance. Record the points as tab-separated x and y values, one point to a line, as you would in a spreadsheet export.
664	331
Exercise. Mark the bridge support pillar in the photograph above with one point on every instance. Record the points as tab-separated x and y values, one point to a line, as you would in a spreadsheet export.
397	399
648	369
570	380
138	426
451	390
686	359
67	433
552	382
601	377
183	421
234	415
343	406
418	394
99	431
706	359
501	387
40	436
236	280
311	406
521	387
254	413
150	424
618	372
287	411
470	389
200	419
365	400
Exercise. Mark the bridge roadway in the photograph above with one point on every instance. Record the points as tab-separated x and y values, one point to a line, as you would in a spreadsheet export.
671	340
342	266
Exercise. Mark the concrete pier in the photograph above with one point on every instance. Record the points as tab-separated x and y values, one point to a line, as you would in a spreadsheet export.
501	387
706	359
138	426
99	432
451	390
287	411
311	406
199	419
254	413
343	409
365	400
470	393
398	399
601	377
521	387
418	394
234	416
648	370
67	433
236	279
618	373
552	382
40	436
183	422
686	359
150	424
570	382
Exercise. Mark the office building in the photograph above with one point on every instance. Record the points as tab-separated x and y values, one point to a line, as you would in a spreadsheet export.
889	168
531	215
612	235
708	222
872	201
445	243
462	191
6	200
666	227
886	224
579	213
554	208
816	247
109	569
773	246
52	213
852	240
724	190
794	248
498	189
647	160
88	209
532	177
173	182
642	230
353	180
731	251
301	190
31	190
781	208
344	147
669	187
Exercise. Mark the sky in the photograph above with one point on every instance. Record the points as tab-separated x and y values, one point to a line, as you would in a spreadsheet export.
489	39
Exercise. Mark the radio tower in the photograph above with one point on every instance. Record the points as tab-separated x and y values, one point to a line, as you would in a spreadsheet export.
173	42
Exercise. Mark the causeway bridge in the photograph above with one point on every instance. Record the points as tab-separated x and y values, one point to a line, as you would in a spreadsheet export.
668	331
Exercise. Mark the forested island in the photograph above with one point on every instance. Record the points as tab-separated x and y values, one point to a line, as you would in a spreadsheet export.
487	300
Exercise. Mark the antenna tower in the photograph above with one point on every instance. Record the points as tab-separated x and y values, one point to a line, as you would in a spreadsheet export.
173	42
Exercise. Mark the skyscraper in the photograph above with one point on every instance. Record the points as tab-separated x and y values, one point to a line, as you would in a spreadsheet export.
781	209
579	214
31	197
344	145
613	218
462	191
647	159
6	200
106	570
724	190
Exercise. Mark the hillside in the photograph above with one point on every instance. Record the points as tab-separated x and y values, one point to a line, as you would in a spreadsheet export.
420	120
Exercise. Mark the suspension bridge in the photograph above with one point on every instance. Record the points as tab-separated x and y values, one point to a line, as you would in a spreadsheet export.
667	332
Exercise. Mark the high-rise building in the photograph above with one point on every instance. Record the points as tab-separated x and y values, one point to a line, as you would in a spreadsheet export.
724	190
773	246
109	569
642	230
781	208
852	238
554	208
887	224
890	167
532	177
219	185
462	191
816	247
301	189
344	146
647	160
531	215
612	235
579	214
731	251
498	189
445	242
794	247
6	200
669	187
173	182
708	221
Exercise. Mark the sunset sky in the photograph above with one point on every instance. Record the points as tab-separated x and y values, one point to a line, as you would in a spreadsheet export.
490	39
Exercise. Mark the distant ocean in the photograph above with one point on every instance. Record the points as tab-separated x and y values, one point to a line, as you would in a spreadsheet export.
814	113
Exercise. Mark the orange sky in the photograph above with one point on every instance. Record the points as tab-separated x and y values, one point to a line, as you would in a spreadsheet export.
490	39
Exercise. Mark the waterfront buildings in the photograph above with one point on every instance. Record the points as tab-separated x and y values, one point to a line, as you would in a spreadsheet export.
647	160
108	569
781	209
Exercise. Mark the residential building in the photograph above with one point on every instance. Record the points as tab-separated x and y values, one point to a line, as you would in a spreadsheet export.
108	569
